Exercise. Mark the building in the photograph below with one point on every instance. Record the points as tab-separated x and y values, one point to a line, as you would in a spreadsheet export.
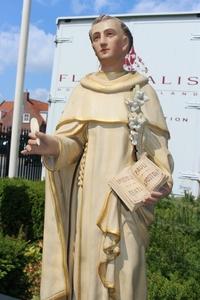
31	108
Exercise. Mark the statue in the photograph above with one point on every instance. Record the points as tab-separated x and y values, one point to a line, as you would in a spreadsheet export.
94	246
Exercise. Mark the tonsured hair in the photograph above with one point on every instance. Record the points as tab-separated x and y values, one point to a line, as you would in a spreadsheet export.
123	26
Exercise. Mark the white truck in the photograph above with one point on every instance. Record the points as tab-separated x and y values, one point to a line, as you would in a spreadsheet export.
169	46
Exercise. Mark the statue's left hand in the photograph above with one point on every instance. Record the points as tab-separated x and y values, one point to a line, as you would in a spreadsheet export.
164	191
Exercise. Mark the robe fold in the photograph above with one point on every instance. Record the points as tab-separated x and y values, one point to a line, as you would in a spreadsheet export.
94	247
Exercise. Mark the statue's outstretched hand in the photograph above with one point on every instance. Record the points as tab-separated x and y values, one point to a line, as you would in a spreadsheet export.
41	144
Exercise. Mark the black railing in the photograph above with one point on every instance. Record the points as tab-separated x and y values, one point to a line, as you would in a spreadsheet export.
29	167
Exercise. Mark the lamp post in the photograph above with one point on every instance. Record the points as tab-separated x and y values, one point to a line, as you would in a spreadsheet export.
18	100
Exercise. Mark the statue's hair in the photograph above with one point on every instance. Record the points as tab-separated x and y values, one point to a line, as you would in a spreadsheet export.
123	26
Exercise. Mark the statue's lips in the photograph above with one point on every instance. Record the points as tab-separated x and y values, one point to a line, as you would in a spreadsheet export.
104	50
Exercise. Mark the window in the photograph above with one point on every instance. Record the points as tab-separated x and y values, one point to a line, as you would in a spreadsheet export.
26	118
44	115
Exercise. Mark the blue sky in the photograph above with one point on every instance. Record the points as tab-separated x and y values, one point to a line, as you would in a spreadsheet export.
42	31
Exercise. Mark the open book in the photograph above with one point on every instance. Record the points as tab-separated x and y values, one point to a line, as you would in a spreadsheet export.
135	183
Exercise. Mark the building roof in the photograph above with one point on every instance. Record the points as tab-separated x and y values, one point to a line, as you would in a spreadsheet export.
38	105
32	106
6	106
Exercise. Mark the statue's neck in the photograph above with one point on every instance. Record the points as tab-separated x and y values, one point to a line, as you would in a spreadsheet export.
111	75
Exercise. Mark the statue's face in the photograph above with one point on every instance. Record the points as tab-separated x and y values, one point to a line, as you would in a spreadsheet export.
109	41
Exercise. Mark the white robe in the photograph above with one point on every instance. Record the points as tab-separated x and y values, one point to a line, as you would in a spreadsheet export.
94	247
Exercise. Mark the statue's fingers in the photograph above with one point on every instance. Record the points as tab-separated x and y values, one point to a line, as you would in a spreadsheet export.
32	142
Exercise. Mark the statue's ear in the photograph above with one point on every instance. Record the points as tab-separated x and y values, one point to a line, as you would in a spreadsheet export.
125	46
93	48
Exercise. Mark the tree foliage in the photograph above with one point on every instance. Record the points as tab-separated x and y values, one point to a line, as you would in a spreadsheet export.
173	257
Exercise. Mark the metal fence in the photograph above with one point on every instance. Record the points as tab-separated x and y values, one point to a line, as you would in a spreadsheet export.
29	167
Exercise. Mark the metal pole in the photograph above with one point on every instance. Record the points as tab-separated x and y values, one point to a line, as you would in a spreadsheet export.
18	101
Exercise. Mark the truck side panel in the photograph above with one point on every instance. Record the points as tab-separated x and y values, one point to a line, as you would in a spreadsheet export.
169	49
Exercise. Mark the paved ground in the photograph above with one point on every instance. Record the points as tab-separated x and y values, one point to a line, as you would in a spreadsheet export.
3	297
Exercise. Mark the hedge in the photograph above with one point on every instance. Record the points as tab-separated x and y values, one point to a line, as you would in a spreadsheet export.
20	267
22	208
173	257
13	279
21	231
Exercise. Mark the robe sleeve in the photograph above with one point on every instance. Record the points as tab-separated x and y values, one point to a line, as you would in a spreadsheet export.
155	144
71	138
156	134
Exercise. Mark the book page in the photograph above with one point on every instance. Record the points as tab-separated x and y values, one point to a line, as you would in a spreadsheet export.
149	174
134	183
129	189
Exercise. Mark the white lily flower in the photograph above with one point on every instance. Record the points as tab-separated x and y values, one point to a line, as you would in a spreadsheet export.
136	119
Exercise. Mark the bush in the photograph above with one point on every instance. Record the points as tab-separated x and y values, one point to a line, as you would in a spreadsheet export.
173	257
36	194
13	279
172	288
20	267
22	208
33	267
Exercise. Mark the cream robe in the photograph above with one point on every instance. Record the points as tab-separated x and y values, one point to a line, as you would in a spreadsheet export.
94	247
